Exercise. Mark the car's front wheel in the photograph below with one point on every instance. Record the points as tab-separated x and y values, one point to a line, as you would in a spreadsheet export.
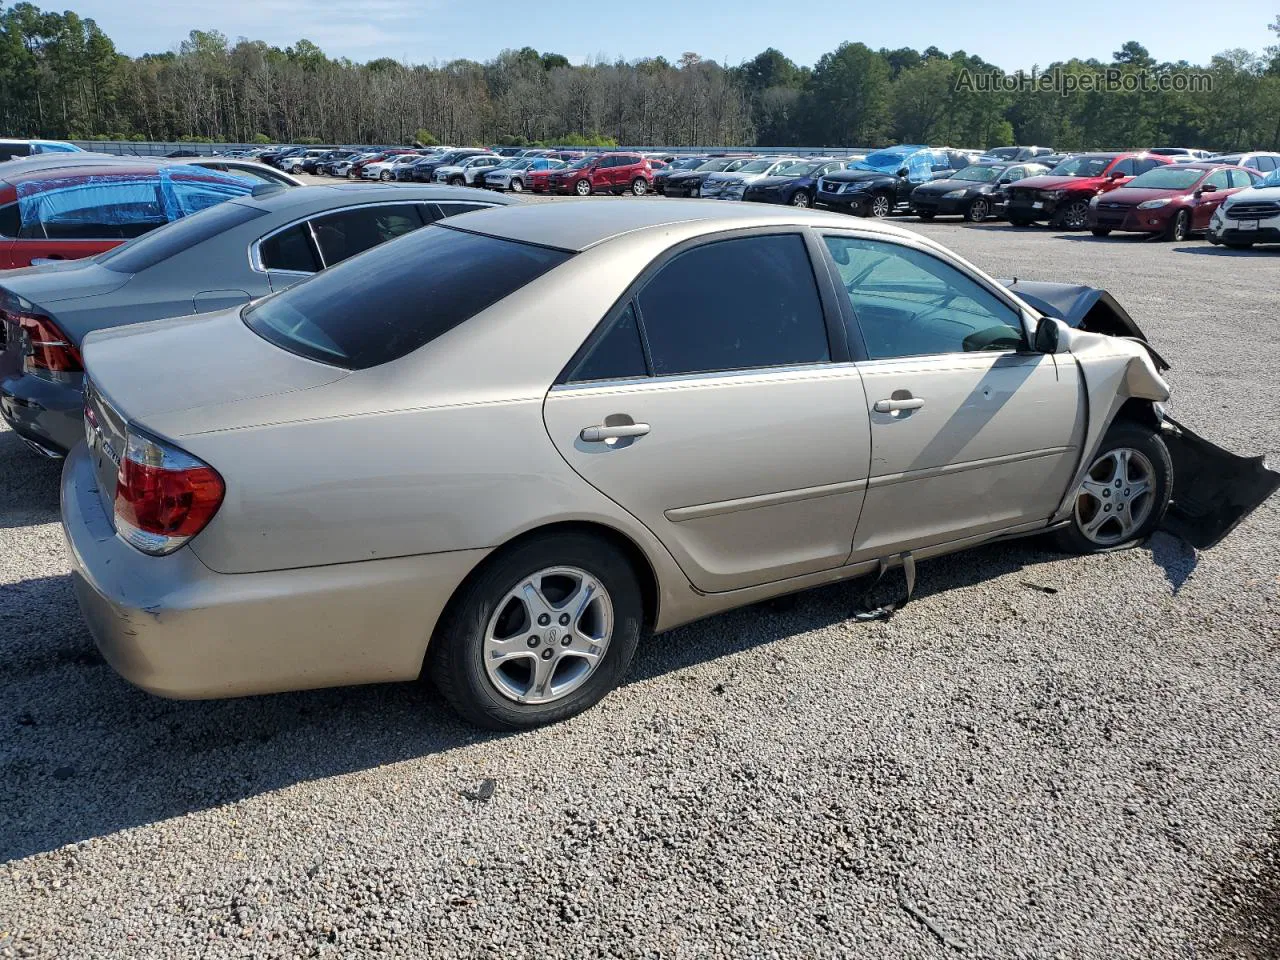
542	631
1180	228
881	206
1124	494
801	199
1074	216
384	175
979	210
582	188
517	185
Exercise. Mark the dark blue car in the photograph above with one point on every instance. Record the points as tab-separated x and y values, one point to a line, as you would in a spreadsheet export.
795	185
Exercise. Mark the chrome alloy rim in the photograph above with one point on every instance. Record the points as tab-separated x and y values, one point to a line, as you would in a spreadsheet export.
880	206
1116	496
800	199
548	635
1076	215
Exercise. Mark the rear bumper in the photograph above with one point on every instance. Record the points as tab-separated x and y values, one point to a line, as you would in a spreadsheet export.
175	628
47	415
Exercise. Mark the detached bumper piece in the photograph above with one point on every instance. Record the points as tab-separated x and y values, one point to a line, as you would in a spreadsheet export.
1213	489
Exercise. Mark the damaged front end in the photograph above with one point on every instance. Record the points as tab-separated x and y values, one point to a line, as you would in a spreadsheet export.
1213	489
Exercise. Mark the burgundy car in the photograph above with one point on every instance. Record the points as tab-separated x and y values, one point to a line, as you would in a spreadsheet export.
1172	201
1062	196
611	172
86	207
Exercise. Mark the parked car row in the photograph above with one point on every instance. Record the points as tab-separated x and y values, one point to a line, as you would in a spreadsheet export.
358	439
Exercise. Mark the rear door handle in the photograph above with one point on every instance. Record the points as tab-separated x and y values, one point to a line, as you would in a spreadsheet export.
600	433
891	406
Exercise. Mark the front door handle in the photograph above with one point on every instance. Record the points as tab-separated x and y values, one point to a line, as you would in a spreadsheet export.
602	433
893	406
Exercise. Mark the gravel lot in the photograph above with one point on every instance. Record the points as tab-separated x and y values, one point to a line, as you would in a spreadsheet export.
1088	773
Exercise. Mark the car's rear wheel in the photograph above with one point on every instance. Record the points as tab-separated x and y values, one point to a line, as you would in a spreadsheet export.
542	631
881	206
1074	216
979	210
801	198
639	187
1179	228
1124	493
582	188
1101	231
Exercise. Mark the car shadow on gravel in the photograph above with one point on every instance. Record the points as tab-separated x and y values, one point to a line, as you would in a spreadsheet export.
1209	250
83	753
28	484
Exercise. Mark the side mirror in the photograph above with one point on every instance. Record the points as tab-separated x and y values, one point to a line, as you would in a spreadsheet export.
1114	175
1047	335
903	171
1208	188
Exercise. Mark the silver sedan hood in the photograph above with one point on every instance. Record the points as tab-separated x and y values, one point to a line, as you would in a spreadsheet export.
150	369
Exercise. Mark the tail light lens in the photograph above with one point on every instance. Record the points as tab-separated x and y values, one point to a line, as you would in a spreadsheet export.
164	495
45	348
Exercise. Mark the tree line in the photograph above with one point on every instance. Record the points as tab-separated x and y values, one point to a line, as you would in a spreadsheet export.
61	76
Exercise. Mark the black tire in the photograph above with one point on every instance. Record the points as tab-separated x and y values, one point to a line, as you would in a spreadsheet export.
1074	216
384	175
639	187
978	210
1101	231
880	206
1237	244
926	214
1124	434
1180	228
801	199
1019	222
582	188
457	181
455	659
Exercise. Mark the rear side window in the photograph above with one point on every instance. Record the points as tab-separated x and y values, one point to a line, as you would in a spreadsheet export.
398	297
1239	178
617	355
159	245
733	305
343	234
290	250
10	150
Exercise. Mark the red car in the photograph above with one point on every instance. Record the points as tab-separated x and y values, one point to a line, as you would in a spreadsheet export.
612	172
539	181
1171	201
1062	196
353	171
85	208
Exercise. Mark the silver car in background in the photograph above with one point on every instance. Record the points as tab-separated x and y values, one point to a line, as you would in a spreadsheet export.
731	185
466	172
504	447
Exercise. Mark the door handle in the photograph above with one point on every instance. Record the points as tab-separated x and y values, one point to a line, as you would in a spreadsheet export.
600	433
892	406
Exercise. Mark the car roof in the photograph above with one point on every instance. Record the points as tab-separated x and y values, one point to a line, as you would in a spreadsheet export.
76	164
305	200
579	224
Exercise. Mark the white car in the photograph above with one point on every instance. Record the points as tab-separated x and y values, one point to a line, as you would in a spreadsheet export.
344	168
733	185
294	164
386	169
465	173
1248	217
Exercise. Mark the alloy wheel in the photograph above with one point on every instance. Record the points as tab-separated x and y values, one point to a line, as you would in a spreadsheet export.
1115	497
517	185
582	188
800	199
1076	216
1181	226
880	206
978	210
548	635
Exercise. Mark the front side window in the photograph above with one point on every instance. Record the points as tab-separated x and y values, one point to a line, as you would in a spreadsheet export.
910	304
1239	178
343	234
10	221
734	305
398	297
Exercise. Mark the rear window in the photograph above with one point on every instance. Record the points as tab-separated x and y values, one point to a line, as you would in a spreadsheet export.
159	245
397	297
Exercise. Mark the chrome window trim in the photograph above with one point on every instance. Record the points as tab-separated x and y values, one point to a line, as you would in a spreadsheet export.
255	248
796	371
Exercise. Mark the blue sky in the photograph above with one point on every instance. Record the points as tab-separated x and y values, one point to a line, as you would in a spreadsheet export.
420	31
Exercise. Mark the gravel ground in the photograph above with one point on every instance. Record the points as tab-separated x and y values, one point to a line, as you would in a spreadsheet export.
1088	773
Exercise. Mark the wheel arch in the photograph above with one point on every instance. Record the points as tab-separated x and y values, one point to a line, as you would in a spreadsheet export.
646	575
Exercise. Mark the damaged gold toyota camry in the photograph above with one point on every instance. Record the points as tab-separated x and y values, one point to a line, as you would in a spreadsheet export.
501	449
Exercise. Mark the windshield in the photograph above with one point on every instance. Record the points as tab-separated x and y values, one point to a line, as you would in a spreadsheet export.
980	172
798	169
1004	153
521	164
717	164
689	164
890	159
391	300
1082	167
756	166
1169	177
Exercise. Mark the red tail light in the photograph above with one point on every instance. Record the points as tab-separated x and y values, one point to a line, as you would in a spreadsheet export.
164	496
45	347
